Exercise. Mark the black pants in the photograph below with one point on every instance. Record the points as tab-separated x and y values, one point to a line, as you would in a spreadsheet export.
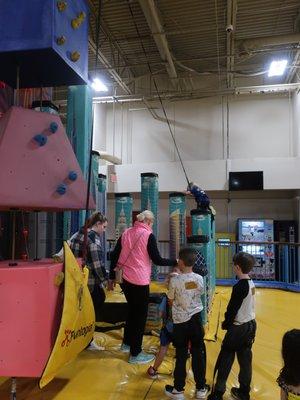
137	298
189	332
239	340
98	297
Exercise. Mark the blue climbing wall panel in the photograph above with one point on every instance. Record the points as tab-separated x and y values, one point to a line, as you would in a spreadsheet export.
47	40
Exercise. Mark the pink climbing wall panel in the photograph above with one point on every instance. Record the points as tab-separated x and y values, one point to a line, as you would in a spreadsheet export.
38	168
30	312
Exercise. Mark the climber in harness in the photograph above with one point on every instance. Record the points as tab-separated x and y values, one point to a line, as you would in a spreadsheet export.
201	198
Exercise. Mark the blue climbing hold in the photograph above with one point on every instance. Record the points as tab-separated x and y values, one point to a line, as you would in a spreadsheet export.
61	189
53	127
72	175
40	139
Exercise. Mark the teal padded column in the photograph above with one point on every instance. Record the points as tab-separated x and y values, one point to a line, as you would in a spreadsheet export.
177	221
200	243
150	196
123	212
94	176
79	124
101	205
101	200
149	201
203	223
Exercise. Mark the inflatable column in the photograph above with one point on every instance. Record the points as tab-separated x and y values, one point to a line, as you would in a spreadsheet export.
177	215
149	201
200	244
203	226
149	196
94	175
101	205
79	129
123	212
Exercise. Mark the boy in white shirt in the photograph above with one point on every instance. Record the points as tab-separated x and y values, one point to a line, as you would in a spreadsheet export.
184	296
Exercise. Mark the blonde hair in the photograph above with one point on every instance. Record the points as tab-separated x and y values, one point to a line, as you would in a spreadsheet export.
145	215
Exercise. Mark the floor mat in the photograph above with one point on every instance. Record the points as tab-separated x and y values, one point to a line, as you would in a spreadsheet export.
106	375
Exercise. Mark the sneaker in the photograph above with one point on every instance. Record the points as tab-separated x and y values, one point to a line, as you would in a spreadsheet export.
93	346
125	348
152	373
171	392
141	358
238	395
202	393
215	395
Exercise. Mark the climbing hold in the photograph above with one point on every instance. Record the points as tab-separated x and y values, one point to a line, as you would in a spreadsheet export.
61	189
72	175
61	5
40	139
76	22
53	127
75	55
61	40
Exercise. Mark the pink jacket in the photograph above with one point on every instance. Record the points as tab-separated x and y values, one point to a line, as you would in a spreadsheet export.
134	258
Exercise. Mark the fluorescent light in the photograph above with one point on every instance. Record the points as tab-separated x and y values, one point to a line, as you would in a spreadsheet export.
277	68
99	86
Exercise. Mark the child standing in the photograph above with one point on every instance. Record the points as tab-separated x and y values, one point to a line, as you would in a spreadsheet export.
166	333
241	327
289	377
184	296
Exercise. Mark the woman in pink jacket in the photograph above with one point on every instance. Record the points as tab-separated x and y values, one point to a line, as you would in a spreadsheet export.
134	253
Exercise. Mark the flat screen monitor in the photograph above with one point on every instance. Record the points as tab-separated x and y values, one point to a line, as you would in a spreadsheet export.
250	180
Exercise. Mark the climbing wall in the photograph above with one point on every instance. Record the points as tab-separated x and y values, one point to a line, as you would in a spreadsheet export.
39	169
46	42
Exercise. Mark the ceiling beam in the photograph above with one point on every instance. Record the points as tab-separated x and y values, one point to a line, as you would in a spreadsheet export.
154	21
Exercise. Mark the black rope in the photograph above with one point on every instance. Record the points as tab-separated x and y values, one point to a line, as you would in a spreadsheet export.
158	94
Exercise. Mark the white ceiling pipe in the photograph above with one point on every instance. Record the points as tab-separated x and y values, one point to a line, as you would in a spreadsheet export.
110	158
248	45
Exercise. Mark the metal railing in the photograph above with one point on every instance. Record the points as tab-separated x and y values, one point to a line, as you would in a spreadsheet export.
277	263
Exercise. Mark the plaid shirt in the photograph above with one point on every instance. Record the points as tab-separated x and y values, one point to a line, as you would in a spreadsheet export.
97	272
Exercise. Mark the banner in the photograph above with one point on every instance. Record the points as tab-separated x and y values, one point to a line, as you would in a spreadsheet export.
77	322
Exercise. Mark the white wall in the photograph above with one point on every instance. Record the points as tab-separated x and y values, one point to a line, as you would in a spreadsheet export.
263	134
296	124
259	126
258	133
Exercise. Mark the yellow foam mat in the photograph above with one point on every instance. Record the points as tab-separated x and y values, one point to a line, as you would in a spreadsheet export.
106	375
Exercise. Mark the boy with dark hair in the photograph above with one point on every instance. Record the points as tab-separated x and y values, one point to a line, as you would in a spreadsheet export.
184	296
241	327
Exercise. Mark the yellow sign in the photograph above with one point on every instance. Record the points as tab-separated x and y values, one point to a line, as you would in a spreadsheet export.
77	322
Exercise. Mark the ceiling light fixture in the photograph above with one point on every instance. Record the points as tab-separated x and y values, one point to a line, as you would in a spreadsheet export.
99	86
277	68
